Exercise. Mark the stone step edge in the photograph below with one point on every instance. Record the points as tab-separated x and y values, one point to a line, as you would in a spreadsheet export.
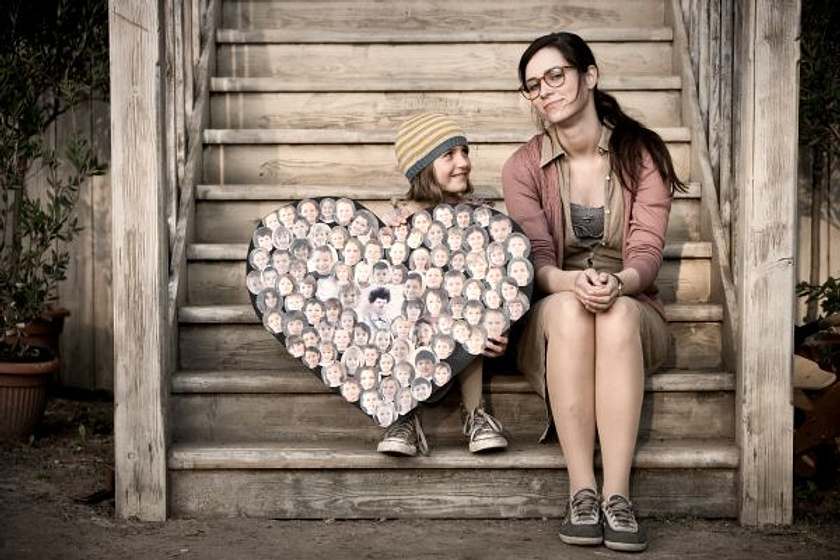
244	314
215	382
269	85
653	454
257	191
239	251
295	136
387	36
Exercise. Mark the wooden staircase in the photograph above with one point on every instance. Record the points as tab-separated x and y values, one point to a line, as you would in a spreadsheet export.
306	101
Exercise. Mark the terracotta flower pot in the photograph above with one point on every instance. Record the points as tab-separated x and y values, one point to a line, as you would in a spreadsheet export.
23	396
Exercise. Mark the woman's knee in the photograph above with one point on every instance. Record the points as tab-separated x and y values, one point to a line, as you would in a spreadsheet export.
563	314
619	322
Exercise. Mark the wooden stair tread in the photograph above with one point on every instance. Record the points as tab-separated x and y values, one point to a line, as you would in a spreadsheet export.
244	314
422	35
297	382
247	191
332	136
239	251
654	454
484	84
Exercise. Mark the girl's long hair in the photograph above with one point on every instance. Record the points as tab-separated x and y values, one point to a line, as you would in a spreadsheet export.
630	139
424	187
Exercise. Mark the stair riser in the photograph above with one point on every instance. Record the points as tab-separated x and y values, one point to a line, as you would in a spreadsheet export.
386	111
223	282
220	221
486	15
349	165
697	346
376	493
243	419
412	64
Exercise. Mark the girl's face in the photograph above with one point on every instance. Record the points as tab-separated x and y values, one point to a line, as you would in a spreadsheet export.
515	310
307	289
323	262
440	258
517	247
352	254
373	253
341	338
458	261
347	321
473	315
344	212
334	375
473	291
492	299
328	209
420	260
444	324
497	256
402	327
359	226
401	232
386	364
452	170
433	304
352	360
371	357
260	259
360	336
494	324
403	375
475	240
479	268
434	278
400	352
509	291
300	228
397	253
333	312
434	236
519	272
281	260
337	239
367	379
421	222
389	390
382	340
328	354
309	210
463	218
275	322
406	401
270	300
412	312
494	277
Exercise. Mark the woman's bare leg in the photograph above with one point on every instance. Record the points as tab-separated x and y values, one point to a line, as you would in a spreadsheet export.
619	391
570	381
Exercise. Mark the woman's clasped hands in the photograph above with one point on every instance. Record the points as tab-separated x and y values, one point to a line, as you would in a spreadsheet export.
596	291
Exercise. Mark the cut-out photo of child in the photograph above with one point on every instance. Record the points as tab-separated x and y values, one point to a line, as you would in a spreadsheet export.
500	228
345	210
351	390
281	238
327	210
309	210
443	374
518	246
262	238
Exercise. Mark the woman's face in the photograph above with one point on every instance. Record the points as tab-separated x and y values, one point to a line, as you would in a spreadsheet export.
452	170
564	104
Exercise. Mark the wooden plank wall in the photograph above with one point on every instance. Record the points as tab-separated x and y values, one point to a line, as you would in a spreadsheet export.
87	341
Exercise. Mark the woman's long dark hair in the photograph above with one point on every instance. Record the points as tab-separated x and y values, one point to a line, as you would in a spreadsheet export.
630	139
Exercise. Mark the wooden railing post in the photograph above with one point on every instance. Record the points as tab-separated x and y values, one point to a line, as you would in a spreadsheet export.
766	180
140	259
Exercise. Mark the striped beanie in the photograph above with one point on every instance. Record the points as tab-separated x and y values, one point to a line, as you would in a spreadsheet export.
424	137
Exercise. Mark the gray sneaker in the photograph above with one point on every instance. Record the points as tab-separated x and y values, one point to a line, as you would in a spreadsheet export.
484	431
404	437
582	525
621	530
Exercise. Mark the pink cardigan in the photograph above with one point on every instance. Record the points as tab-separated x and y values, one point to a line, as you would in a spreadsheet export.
532	197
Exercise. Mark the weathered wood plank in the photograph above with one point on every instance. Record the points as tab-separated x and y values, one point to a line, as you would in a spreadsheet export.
212	282
331	63
766	175
242	418
287	192
465	493
292	382
386	111
350	165
141	357
504	82
696	345
417	35
407	15
256	136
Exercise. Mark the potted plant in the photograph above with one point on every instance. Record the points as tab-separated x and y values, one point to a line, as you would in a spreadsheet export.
52	57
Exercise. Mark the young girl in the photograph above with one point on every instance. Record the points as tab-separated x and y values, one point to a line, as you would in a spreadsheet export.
433	152
593	194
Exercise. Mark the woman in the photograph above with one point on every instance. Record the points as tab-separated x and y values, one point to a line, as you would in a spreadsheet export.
433	153
593	193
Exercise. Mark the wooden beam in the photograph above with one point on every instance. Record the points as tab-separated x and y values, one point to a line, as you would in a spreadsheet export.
139	260
766	180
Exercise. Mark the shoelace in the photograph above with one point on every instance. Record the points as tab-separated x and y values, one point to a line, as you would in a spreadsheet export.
620	514
409	429
584	507
479	421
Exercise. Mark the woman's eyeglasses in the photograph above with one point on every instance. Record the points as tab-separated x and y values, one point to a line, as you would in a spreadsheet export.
553	78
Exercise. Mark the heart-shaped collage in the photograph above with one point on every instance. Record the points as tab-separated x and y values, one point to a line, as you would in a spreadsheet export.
387	316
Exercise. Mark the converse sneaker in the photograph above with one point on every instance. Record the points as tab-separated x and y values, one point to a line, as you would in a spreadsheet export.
484	431
582	525
621	530
404	437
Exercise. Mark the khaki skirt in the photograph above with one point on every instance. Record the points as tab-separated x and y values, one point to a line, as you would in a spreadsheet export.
655	336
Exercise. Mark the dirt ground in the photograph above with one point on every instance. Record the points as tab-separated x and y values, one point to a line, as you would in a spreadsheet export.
43	484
